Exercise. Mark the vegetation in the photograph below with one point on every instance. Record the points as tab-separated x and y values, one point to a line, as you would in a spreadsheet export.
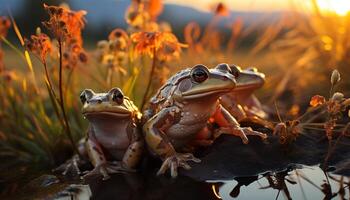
40	116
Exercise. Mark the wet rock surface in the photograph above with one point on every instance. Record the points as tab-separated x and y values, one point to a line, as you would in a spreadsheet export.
228	158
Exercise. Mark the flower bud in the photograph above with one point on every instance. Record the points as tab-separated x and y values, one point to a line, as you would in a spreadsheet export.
335	78
338	96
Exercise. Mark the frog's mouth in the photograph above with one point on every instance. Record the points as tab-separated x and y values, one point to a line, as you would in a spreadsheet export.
248	80
211	92
247	87
119	112
214	86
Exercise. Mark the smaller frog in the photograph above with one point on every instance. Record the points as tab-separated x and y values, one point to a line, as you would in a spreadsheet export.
113	142
180	112
241	102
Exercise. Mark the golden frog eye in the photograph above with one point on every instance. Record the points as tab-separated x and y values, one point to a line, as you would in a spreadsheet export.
118	96
199	73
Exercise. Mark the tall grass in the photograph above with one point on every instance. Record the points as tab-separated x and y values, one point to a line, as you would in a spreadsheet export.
40	116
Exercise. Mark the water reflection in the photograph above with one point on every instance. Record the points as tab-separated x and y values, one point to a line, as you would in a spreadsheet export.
301	183
305	183
148	186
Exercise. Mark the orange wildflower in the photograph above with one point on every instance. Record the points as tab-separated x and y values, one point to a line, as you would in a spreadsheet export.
113	53
136	16
151	43
287	131
64	23
155	8
39	44
5	24
221	10
317	100
119	39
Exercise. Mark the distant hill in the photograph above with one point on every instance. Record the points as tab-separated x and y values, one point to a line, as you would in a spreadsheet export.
111	13
105	15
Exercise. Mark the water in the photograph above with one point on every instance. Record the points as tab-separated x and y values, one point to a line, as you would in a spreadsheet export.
302	183
229	170
305	183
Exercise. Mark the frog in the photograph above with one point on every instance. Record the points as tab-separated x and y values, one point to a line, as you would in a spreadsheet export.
180	113
241	102
114	142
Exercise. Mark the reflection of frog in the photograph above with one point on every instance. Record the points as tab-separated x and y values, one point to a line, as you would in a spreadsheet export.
181	110
112	134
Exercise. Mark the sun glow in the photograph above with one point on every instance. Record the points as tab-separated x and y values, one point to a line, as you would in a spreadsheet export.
340	7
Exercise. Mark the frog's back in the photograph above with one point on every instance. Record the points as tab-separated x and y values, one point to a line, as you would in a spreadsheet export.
167	89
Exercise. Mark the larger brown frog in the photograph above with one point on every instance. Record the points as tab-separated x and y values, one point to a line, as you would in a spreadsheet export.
113	141
182	108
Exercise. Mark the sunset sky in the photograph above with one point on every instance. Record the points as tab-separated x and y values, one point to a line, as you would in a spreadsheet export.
247	5
339	6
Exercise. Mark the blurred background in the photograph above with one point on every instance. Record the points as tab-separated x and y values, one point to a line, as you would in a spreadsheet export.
296	43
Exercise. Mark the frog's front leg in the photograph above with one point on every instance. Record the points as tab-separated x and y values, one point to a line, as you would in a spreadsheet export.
134	152
229	125
156	138
233	108
96	156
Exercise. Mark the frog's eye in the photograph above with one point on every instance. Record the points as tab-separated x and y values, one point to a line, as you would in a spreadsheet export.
252	69
118	96
85	95
224	67
235	70
82	97
199	73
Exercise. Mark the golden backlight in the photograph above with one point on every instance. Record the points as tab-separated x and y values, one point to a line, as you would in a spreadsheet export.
340	7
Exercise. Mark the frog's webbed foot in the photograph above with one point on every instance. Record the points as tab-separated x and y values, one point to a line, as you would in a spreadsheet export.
107	168
99	170
242	132
175	161
70	167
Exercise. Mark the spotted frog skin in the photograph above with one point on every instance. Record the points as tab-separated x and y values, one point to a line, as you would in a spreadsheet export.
241	102
113	142
179	114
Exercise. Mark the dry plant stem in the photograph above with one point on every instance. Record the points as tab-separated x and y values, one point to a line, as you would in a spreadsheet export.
121	80
60	85
149	80
109	76
52	92
48	79
331	148
69	81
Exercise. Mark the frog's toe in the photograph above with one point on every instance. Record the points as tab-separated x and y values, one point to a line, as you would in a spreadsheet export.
98	171
70	167
250	131
185	166
164	167
190	157
175	161
173	169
